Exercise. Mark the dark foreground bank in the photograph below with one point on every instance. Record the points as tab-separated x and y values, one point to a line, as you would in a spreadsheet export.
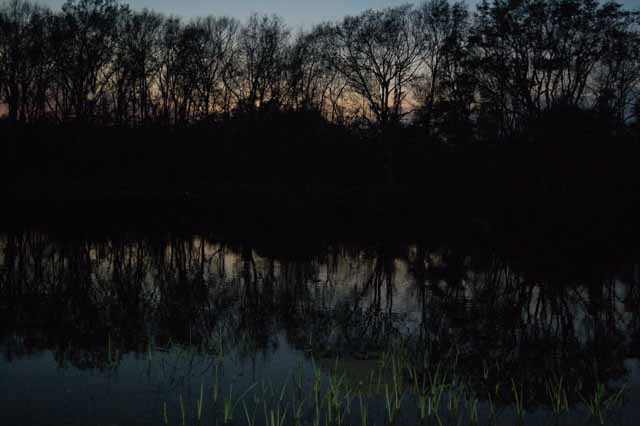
303	179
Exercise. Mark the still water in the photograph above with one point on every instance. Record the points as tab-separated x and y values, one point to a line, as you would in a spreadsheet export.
188	329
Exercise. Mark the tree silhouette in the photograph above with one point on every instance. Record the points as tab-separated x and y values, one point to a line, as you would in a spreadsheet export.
258	75
378	55
401	77
84	39
539	56
500	69
136	66
24	63
445	92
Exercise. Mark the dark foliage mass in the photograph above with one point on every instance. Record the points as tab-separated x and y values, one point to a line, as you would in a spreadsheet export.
102	100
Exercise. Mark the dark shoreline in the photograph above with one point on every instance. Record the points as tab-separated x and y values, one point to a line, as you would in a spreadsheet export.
295	220
575	196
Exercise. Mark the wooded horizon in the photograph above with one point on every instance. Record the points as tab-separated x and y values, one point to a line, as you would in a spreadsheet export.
489	73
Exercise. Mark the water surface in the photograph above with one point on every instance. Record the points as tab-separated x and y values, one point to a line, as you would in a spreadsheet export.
133	330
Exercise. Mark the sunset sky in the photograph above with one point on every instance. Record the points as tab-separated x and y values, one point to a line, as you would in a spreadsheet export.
296	13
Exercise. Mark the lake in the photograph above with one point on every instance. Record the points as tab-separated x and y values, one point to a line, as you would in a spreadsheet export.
189	329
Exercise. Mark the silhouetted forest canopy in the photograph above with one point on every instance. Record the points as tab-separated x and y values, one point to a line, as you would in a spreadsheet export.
438	65
98	97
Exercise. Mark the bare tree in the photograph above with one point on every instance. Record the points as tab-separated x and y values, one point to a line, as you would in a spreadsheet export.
135	68
84	40
617	76
257	75
24	62
536	56
169	70
442	31
379	56
310	77
219	47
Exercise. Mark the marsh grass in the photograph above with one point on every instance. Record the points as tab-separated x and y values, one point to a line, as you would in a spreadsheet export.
602	401
557	394
401	388
518	396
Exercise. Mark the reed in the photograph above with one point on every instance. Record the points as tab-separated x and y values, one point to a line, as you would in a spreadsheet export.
602	401
183	412
518	396
557	395
398	391
200	403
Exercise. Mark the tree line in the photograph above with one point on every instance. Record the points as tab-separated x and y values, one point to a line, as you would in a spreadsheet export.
456	74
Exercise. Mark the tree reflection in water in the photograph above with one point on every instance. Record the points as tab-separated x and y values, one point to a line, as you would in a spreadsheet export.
499	320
